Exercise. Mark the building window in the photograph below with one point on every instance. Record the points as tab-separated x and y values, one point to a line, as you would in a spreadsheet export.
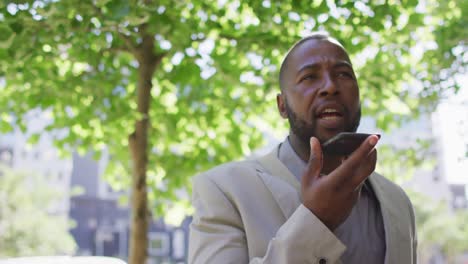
459	202
60	176
159	244
178	244
435	176
6	156
92	223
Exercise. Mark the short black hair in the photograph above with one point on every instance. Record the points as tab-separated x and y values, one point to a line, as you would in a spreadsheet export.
312	36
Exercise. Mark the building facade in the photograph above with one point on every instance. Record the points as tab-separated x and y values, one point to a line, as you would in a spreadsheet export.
103	225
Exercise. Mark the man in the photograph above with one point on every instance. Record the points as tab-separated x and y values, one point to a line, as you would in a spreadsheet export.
297	205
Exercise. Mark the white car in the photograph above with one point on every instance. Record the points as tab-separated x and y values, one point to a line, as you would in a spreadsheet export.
62	260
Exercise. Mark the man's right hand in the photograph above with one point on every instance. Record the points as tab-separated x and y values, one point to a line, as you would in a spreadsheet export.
332	197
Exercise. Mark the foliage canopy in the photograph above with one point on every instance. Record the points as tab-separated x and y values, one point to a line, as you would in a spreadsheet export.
218	73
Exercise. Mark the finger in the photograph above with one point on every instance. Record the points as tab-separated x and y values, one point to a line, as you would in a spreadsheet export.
314	165
349	166
366	168
361	153
363	150
344	158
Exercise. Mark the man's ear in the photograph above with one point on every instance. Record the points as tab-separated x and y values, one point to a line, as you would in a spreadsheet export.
281	103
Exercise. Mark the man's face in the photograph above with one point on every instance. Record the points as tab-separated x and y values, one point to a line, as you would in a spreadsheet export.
320	94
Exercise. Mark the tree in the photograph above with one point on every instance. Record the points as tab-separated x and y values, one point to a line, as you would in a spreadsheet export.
26	227
175	87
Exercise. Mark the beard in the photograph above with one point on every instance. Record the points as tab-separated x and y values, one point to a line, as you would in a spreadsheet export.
305	130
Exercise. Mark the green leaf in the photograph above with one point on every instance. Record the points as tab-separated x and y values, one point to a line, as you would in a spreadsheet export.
118	9
33	139
6	36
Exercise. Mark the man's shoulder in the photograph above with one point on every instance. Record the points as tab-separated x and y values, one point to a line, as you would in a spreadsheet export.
383	181
391	189
230	170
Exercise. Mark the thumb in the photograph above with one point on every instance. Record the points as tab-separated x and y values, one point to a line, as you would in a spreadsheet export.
314	165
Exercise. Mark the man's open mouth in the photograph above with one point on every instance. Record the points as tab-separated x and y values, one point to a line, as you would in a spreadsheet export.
329	113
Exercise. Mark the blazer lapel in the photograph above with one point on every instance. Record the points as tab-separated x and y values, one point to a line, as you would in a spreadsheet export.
390	215
284	187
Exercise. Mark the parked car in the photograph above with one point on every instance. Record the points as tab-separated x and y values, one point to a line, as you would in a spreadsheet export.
62	260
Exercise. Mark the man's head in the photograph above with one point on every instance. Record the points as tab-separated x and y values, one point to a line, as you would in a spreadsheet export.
319	90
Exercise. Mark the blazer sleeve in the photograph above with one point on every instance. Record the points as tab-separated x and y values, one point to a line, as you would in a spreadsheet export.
217	233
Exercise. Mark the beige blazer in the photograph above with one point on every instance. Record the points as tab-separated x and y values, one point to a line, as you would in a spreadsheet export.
251	212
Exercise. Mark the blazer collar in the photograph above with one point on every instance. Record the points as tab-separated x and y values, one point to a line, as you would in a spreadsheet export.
286	196
391	215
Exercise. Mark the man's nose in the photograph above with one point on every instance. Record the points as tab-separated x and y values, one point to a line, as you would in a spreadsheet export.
329	87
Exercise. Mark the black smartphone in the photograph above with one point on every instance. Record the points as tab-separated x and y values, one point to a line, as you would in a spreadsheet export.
344	143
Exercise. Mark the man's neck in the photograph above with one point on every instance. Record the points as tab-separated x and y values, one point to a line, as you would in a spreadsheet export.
302	149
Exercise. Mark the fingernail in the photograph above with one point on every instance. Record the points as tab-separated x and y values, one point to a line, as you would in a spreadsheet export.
373	140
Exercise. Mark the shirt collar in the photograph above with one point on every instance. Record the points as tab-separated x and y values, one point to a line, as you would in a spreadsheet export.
290	159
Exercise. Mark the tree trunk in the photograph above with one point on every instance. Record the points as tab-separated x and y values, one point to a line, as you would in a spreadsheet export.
138	144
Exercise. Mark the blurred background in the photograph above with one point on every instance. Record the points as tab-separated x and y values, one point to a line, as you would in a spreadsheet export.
109	107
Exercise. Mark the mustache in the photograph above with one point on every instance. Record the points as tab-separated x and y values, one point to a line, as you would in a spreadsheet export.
305	129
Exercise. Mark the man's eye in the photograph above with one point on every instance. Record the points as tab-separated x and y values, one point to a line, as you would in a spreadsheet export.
345	75
309	77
